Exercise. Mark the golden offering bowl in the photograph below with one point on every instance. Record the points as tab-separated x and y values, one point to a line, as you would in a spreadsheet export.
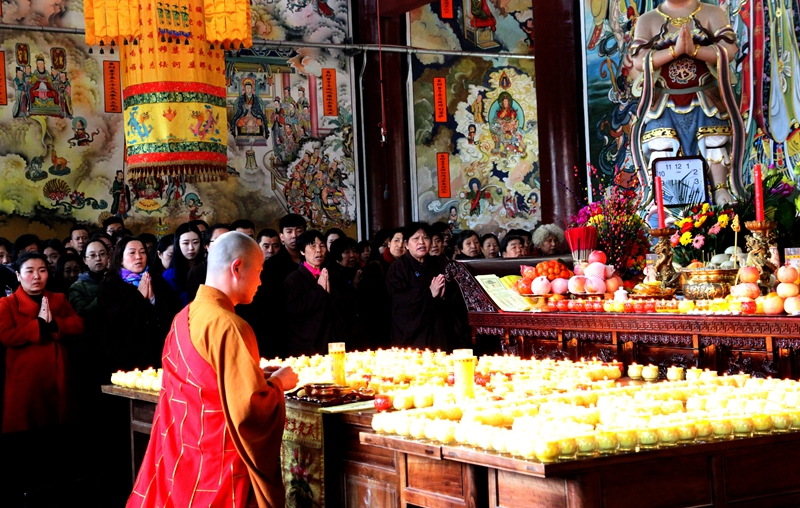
708	284
765	225
662	232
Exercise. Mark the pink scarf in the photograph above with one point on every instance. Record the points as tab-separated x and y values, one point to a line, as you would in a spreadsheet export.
314	271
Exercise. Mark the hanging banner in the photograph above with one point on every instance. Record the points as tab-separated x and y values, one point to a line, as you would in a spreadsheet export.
3	91
447	9
112	88
330	106
443	170
439	100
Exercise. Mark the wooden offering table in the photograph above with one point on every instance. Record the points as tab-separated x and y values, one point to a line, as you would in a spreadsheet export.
142	410
759	345
754	472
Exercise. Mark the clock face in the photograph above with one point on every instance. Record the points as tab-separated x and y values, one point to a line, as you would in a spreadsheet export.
683	178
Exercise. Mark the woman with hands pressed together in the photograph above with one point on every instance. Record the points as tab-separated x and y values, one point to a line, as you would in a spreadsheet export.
34	323
416	286
311	299
135	308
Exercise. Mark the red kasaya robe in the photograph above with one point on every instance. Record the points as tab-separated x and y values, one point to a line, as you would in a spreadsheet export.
218	426
37	389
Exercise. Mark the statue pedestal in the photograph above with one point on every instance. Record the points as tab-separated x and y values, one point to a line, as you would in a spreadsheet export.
481	37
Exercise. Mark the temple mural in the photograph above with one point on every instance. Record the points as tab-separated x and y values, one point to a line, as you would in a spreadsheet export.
476	142
289	130
763	79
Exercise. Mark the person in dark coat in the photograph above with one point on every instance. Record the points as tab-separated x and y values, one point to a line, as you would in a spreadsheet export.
416	287
310	300
135	308
343	265
267	314
187	252
468	245
373	298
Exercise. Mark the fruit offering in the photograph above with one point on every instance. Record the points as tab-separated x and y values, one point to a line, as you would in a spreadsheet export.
553	269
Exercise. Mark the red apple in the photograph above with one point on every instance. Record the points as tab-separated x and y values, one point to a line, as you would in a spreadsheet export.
749	274
749	307
597	256
451	378
746	289
524	286
787	274
383	402
613	283
527	272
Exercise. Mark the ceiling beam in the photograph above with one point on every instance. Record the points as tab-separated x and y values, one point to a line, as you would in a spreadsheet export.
394	8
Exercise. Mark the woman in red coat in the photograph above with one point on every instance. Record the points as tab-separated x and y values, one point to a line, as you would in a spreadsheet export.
33	324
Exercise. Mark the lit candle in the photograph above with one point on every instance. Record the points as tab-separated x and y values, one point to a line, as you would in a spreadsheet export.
659	193
759	193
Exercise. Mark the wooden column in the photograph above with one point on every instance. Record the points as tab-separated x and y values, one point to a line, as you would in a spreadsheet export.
560	107
387	164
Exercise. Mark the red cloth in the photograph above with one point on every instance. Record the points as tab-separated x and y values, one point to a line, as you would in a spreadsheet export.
183	465
387	256
37	385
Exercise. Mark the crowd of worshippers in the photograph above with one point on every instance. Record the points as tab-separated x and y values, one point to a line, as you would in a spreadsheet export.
106	299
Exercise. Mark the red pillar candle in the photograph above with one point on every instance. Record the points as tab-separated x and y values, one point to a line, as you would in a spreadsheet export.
659	193
759	193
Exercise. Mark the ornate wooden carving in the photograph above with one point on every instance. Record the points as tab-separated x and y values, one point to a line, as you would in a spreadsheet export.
739	363
787	343
511	346
754	326
754	343
598	337
490	330
659	339
534	333
542	352
607	355
474	297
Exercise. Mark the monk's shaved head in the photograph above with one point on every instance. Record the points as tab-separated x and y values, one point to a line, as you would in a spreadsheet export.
229	247
234	266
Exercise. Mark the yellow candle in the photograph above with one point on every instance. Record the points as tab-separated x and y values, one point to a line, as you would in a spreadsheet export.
650	373
635	371
336	352
464	376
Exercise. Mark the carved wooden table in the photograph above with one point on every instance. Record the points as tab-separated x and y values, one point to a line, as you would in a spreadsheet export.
755	472
757	345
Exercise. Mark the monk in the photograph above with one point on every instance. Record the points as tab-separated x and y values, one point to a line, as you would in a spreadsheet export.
217	431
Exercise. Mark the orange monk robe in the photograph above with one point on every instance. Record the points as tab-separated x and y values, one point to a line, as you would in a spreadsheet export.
253	407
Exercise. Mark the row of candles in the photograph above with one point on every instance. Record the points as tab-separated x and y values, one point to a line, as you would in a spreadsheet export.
758	191
621	419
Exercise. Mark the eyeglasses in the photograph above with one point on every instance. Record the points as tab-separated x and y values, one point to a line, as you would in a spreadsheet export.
97	256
